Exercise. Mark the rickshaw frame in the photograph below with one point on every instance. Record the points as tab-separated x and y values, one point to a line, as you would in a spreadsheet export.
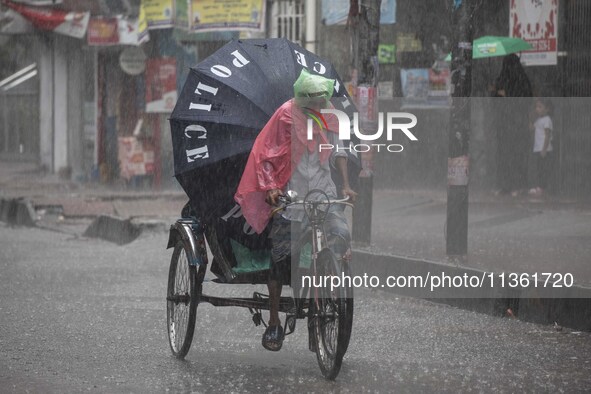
189	234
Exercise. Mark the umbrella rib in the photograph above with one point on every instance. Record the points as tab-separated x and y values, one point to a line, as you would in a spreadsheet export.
240	43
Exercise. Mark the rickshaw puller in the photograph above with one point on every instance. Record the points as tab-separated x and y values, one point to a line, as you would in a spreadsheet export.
281	159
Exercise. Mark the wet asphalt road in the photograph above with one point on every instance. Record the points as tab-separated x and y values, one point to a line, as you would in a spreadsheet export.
83	315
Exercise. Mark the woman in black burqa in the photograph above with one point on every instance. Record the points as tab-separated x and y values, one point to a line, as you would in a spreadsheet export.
511	124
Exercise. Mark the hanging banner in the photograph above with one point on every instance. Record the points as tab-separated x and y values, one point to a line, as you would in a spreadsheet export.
11	22
159	13
226	15
536	21
336	12
161	94
72	24
181	14
114	31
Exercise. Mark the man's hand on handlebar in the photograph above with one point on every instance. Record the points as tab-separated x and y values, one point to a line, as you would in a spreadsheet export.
273	196
348	192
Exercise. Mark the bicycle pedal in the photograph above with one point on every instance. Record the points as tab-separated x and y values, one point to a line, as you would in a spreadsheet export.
290	324
257	319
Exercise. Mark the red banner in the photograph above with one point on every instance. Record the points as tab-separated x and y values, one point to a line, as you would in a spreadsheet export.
72	24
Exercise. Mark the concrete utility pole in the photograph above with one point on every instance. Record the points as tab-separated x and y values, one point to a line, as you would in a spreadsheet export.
365	24
459	129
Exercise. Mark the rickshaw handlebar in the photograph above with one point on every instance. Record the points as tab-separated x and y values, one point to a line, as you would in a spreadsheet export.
287	201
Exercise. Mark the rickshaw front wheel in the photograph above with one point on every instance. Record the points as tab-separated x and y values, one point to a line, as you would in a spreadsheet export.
333	316
182	297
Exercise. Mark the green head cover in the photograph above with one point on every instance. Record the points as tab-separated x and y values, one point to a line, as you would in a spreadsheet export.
312	90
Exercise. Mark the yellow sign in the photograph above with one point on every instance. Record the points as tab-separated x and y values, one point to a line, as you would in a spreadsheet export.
159	13
408	42
142	24
211	15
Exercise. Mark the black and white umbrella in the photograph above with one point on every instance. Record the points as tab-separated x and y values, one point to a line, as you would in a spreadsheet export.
225	102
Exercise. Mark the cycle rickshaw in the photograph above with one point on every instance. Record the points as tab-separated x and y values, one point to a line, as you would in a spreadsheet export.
328	310
225	102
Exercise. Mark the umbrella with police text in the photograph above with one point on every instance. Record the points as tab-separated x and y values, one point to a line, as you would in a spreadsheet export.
225	102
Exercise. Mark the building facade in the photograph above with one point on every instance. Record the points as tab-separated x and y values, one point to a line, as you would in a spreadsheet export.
91	98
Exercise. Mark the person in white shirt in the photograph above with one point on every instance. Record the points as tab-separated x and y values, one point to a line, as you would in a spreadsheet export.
542	145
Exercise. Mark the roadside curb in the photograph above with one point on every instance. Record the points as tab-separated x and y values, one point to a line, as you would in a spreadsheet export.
525	305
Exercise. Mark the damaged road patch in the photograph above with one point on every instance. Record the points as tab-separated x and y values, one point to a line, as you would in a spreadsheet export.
113	229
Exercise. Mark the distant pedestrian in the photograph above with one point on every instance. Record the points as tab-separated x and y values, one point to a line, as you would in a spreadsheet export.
511	126
543	156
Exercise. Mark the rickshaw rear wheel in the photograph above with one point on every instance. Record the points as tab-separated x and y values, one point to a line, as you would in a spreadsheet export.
182	297
333	316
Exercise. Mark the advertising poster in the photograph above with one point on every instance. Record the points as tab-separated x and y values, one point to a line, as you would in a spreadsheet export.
159	13
387	53
142	25
458	171
161	94
408	42
425	87
136	157
214	15
439	87
181	14
336	12
102	31
415	85
537	23
114	31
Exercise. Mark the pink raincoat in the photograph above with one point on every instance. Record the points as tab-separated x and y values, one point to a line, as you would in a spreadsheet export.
272	158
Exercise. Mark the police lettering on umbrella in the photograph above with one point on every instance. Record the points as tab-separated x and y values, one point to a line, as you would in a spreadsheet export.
226	101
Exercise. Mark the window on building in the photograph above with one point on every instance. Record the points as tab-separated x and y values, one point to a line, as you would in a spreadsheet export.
287	20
